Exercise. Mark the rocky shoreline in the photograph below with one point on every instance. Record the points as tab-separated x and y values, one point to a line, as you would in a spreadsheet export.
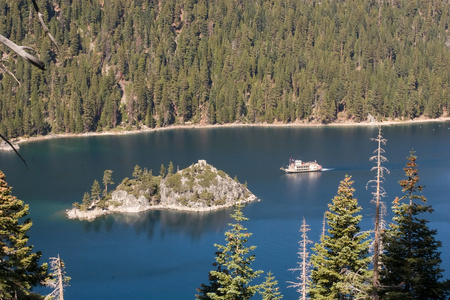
4	146
97	212
198	188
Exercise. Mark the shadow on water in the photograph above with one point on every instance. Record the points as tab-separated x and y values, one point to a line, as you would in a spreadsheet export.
161	222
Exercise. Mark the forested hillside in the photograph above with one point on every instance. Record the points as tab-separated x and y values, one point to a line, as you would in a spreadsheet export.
156	63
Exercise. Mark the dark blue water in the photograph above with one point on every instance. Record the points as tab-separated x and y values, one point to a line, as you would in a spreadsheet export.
167	255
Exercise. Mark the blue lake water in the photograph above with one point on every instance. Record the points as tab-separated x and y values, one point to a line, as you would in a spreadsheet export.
166	254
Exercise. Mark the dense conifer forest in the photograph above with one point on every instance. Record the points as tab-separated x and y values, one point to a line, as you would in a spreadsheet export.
134	63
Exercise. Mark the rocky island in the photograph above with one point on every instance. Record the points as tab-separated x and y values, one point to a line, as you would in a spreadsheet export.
199	187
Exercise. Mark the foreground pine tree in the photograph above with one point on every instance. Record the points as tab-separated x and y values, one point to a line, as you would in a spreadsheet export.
340	261
270	290
411	258
232	280
19	266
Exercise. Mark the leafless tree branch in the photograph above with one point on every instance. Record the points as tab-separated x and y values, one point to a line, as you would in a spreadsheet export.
6	70
20	50
41	20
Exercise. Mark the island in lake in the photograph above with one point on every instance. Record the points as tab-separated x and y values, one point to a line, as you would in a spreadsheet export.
199	187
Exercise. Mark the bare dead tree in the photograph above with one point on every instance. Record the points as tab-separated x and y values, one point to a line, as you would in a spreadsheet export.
304	264
59	279
380	209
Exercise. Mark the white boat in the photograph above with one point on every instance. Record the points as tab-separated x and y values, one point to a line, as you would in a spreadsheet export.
298	166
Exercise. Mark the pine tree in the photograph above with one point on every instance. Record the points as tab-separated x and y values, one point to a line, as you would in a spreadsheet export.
343	252
19	266
233	278
137	172
411	259
269	290
95	191
162	171
170	169
107	179
86	202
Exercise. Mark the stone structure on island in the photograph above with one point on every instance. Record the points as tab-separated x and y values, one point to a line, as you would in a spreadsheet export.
198	188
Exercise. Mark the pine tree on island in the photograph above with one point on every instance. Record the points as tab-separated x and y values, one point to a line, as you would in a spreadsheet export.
96	191
107	179
411	260
19	266
340	260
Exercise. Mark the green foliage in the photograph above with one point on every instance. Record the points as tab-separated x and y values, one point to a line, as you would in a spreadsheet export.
107	179
137	173
95	191
183	201
269	290
206	196
343	251
233	277
20	270
207	177
86	202
411	260
170	169
174	182
160	63
162	171
221	174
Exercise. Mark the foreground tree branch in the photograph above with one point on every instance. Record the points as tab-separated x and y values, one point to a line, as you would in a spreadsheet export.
41	20
20	50
6	70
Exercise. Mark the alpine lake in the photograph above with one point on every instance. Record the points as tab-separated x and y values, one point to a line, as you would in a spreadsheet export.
167	254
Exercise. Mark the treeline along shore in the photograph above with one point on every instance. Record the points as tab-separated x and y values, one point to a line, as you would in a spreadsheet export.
124	131
152	64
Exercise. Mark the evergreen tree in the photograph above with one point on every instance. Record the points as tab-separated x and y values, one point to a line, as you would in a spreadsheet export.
107	179
170	169
86	202
95	191
411	261
343	252
162	171
269	289
19	266
233	278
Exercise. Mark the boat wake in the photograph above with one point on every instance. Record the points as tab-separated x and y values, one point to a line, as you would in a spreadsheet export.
327	169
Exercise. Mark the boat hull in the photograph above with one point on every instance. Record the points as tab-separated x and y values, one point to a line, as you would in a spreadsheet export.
303	171
298	166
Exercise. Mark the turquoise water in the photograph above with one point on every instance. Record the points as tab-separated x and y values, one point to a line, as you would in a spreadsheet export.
167	255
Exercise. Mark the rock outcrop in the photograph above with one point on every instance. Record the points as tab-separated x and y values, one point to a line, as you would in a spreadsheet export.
200	187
